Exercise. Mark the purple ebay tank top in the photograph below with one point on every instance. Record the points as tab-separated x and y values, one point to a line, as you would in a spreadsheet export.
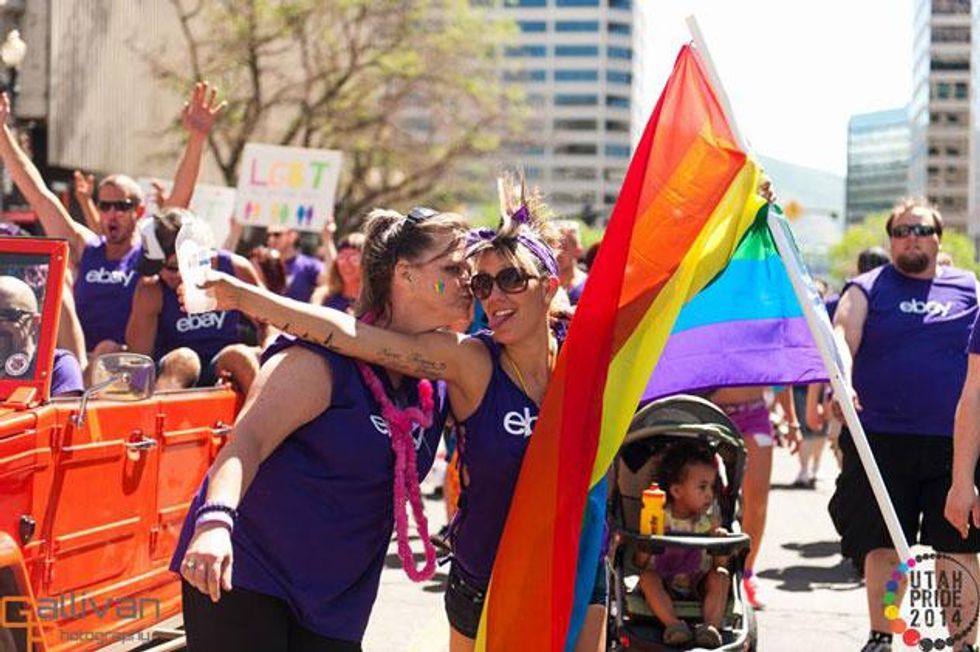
910	367
104	293
492	448
205	333
314	526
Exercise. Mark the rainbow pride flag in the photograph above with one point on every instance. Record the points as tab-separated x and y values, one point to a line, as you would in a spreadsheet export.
745	328
688	198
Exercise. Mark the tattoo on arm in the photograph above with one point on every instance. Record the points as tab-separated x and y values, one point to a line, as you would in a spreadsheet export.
325	342
419	366
426	368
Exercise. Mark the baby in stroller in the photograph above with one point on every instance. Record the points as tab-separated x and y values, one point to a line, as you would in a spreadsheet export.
689	474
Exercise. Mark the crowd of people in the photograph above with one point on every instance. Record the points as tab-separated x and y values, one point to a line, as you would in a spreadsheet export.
419	326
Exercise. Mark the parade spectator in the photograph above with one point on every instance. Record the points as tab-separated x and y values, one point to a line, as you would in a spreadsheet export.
302	497
569	252
189	349
806	401
872	258
269	268
344	275
107	277
905	327
302	272
589	258
496	381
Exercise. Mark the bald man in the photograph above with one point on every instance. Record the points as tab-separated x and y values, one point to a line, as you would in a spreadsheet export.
20	320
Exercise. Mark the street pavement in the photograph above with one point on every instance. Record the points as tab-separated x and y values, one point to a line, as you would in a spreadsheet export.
815	601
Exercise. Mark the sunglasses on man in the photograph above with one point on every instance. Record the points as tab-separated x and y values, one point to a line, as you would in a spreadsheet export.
121	205
510	280
12	314
921	230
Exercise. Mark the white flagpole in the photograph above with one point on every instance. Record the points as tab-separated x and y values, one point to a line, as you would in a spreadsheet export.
823	334
709	65
816	317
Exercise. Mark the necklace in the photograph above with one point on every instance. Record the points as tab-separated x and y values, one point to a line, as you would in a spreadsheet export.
552	350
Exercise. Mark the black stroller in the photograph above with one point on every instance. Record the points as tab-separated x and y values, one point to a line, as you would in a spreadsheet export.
632	626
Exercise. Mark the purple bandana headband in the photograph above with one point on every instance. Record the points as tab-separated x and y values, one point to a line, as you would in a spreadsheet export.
540	250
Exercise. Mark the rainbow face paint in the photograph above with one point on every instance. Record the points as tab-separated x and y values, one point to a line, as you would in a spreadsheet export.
440	287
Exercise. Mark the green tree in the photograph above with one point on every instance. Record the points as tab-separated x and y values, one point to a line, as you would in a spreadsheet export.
407	89
871	232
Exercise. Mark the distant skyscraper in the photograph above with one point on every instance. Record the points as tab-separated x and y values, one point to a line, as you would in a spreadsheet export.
574	59
940	110
877	162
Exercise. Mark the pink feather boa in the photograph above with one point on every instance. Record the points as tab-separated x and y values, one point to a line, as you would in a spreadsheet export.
406	482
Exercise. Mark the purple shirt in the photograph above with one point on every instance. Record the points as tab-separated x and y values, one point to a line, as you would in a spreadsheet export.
314	526
104	293
338	302
205	333
66	374
492	448
575	292
910	367
302	271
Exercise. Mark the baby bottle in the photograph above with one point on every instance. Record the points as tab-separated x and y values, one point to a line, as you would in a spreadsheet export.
652	514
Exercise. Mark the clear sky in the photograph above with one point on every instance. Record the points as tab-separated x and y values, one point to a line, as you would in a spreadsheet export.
794	70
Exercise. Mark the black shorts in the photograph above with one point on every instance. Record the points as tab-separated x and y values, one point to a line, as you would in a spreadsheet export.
917	470
464	601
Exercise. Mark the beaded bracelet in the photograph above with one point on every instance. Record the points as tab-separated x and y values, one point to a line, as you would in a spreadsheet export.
207	508
220	518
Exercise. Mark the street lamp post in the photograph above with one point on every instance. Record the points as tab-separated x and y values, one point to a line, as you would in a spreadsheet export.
12	53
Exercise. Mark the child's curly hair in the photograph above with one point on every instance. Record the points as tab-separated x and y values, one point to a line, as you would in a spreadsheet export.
678	457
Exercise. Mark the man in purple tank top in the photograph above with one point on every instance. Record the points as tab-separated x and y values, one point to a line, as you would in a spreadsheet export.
303	273
106	262
189	349
906	326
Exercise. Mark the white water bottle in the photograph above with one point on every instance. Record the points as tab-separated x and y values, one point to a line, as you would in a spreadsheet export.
194	246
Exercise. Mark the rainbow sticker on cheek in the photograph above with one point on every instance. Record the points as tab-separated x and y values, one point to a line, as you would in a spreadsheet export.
440	287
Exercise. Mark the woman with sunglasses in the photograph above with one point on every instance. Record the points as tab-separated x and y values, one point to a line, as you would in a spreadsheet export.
344	276
496	381
322	470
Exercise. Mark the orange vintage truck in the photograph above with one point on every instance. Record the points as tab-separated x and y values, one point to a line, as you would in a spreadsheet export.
93	489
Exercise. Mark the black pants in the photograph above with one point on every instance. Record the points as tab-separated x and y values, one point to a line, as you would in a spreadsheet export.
246	621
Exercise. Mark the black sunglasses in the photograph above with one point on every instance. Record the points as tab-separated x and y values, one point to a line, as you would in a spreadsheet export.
121	205
510	280
905	230
12	314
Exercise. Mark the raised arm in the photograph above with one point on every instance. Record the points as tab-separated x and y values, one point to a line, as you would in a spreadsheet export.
261	427
235	230
84	190
328	250
435	355
199	115
54	218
